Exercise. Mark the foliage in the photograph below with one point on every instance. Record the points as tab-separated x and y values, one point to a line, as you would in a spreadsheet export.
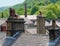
49	8
50	15
34	9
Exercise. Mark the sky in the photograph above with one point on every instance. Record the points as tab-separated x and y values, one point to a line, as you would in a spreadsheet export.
4	3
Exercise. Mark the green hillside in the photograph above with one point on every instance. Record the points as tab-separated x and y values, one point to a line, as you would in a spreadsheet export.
49	8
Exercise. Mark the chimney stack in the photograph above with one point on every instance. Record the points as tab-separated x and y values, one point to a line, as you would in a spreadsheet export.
25	9
12	12
52	31
53	24
41	24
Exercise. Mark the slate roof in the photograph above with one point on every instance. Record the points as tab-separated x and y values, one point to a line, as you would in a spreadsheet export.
2	37
2	20
30	17
27	21
32	40
33	17
58	23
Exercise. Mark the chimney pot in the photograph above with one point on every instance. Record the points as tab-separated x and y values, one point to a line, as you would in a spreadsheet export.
12	12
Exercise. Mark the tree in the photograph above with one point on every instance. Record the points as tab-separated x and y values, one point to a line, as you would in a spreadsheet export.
53	1
41	4
2	15
51	15
34	9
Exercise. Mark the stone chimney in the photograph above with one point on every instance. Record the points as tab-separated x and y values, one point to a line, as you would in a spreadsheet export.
12	12
25	10
41	24
52	31
15	25
53	24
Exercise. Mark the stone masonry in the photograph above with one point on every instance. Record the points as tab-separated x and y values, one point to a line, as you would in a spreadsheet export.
41	24
14	24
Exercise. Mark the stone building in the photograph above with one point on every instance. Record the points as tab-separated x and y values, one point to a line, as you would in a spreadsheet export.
14	24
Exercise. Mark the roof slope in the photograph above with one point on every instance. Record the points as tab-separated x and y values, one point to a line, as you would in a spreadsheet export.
32	40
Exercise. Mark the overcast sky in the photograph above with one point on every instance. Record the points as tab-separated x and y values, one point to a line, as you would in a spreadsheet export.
10	2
